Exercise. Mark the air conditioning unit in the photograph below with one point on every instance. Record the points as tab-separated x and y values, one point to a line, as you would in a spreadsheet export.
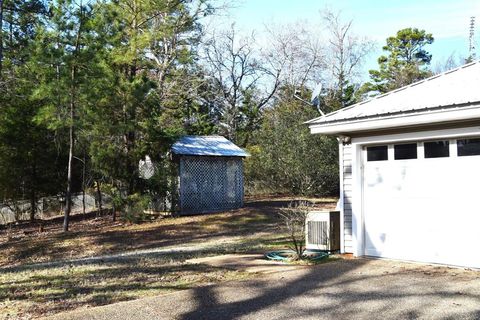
323	230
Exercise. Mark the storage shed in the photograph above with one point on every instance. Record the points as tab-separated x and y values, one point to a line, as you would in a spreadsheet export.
410	170
211	174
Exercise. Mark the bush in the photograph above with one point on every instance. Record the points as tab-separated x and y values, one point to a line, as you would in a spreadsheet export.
134	207
287	158
294	222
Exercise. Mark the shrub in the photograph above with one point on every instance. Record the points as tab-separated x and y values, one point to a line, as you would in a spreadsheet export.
287	158
134	207
294	220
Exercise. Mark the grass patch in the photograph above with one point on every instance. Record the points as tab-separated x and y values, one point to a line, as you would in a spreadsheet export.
30	292
105	237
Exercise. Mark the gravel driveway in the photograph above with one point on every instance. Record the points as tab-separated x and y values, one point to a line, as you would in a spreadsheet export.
344	289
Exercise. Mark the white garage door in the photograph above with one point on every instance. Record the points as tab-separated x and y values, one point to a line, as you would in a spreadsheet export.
421	201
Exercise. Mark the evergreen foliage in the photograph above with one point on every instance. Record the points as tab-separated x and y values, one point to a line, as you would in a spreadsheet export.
88	88
407	61
286	158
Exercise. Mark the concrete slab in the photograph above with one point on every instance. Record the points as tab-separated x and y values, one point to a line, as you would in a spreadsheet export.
255	263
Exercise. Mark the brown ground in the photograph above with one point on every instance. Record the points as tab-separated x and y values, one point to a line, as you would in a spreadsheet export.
89	236
31	291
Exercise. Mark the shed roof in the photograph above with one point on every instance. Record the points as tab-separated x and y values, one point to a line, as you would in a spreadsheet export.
207	146
456	88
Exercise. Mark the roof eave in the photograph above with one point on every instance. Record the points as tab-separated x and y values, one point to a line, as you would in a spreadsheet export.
212	155
396	121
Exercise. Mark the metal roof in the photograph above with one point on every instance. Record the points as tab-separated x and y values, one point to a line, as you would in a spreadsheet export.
207	146
456	88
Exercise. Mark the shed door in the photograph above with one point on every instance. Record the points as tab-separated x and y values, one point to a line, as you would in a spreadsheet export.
424	206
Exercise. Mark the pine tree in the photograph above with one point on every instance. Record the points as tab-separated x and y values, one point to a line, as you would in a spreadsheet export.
64	62
407	61
148	54
27	150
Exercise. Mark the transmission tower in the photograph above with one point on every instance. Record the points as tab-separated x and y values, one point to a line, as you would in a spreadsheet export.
471	47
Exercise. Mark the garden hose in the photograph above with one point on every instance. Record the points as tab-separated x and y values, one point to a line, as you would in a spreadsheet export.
285	255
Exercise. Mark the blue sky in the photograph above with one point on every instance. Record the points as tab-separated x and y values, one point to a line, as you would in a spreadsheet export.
448	21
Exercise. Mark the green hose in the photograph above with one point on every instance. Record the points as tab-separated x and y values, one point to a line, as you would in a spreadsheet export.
286	255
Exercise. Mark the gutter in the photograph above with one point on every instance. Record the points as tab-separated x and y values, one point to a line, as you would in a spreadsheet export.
398	120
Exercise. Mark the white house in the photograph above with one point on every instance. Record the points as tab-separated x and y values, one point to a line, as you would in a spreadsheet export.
410	170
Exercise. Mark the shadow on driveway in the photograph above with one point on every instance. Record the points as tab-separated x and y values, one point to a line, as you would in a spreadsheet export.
345	289
355	289
274	297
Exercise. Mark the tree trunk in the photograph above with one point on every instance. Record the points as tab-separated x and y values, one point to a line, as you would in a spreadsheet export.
83	183
130	136
114	212
68	195
114	207
1	37
73	79
33	195
83	199
131	168
99	197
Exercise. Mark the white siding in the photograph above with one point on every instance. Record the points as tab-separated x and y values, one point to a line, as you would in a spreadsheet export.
347	197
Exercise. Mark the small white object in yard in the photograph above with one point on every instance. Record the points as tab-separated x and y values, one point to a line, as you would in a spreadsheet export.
146	168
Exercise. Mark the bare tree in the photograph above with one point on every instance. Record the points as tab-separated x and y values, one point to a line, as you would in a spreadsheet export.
169	39
294	221
308	55
239	76
451	62
346	52
297	51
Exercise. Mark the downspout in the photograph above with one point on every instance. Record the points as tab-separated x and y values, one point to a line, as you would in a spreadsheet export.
341	198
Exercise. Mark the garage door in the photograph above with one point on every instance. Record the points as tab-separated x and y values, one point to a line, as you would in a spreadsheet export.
421	201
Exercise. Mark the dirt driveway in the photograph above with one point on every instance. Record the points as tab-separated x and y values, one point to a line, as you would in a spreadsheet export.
344	289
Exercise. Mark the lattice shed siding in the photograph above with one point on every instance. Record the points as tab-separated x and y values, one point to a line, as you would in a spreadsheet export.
210	184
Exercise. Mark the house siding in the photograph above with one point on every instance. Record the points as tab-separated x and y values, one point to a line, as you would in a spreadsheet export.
347	188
